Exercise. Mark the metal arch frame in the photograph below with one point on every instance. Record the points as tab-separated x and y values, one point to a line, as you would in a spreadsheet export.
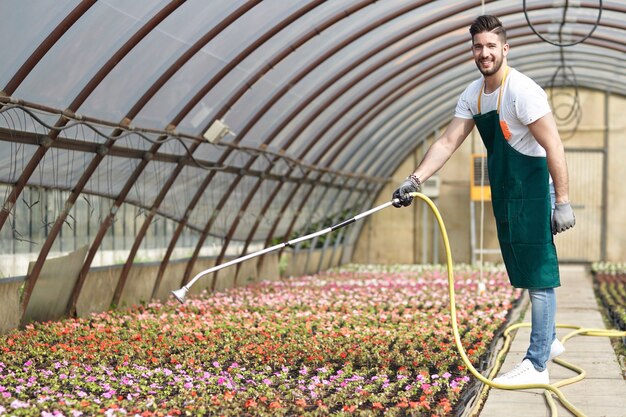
387	164
293	80
197	97
232	230
410	146
41	151
121	198
159	199
296	79
94	87
284	53
403	92
165	189
348	68
15	82
389	150
250	236
245	86
47	43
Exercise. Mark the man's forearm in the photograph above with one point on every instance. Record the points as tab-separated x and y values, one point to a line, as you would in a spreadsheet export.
436	156
557	166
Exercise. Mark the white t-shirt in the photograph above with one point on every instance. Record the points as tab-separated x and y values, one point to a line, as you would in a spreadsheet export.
523	102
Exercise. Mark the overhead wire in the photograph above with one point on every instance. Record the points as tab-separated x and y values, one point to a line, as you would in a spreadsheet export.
169	135
572	118
560	43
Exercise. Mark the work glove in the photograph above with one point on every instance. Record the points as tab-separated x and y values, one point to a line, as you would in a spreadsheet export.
401	197
563	218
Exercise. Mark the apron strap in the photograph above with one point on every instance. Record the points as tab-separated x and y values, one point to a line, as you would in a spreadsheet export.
480	94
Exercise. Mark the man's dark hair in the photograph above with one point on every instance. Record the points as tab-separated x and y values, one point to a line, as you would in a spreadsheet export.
488	23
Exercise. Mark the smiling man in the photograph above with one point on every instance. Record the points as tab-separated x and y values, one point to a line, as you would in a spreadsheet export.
528	178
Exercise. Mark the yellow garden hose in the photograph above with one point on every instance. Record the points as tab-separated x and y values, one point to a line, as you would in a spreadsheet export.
549	388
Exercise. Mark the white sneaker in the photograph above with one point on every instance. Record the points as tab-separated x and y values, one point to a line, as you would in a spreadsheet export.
524	373
556	349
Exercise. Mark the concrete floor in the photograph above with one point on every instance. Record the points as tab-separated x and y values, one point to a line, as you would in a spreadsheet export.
601	394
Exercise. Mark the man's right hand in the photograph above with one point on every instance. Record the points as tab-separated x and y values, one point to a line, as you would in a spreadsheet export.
401	197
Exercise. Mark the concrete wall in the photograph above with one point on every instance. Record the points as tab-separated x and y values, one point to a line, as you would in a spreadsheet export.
100	283
10	303
402	235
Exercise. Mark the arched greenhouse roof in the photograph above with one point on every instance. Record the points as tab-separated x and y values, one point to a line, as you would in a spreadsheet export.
315	103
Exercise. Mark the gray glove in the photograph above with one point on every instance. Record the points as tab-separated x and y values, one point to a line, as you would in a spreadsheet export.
563	218
401	197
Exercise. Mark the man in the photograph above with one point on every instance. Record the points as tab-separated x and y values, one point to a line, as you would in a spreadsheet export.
528	178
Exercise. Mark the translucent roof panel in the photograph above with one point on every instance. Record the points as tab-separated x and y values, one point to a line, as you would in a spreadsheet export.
153	56
83	50
28	26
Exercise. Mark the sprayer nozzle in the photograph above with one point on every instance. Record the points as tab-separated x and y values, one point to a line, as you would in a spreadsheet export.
180	294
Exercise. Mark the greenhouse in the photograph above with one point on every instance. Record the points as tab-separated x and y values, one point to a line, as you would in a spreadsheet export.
314	207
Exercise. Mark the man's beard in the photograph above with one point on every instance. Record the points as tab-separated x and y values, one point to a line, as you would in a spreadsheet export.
496	67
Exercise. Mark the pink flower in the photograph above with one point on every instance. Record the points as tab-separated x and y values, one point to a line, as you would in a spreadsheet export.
19	404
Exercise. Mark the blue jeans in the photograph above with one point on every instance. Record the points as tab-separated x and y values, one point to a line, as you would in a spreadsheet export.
543	326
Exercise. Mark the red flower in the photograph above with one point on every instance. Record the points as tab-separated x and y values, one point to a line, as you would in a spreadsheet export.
274	405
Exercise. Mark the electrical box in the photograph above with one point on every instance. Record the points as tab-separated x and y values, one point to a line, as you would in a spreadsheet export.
216	131
430	187
479	179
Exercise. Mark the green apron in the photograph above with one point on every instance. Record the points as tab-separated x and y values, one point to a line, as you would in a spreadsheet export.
521	203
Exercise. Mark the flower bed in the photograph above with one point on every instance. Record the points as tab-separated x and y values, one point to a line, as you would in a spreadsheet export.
610	286
360	341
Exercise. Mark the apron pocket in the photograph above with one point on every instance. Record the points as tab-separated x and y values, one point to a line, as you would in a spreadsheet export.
537	265
531	225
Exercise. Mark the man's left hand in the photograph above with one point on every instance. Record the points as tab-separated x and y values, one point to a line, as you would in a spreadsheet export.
563	218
